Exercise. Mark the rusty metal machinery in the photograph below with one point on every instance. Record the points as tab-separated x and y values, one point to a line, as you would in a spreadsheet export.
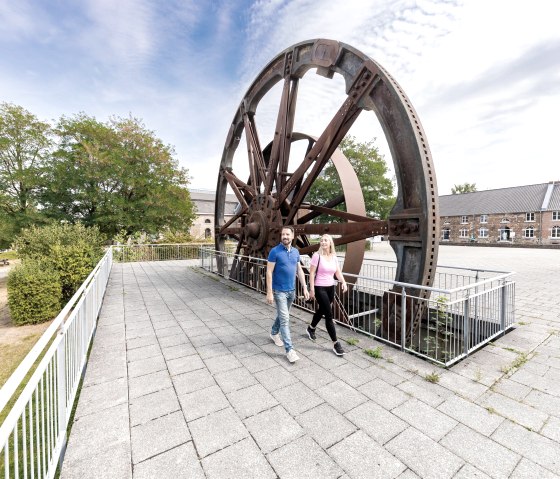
272	196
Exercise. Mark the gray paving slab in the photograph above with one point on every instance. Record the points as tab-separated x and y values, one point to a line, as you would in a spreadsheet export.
183	381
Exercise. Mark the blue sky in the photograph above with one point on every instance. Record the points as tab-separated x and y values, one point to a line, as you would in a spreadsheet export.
484	76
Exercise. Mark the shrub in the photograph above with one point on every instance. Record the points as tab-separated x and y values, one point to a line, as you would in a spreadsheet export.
71	250
34	293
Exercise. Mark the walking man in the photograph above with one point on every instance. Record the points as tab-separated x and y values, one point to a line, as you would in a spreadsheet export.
283	264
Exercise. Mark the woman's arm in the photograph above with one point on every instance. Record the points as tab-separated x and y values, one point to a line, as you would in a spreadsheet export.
340	276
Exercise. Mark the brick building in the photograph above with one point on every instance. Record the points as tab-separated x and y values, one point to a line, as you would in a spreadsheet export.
204	200
523	215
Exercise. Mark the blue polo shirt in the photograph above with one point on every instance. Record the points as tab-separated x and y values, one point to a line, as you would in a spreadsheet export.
284	274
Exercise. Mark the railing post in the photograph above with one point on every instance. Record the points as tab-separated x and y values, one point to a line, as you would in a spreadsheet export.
504	307
61	392
466	326
403	320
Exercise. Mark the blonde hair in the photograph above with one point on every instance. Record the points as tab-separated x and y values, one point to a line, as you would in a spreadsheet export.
332	250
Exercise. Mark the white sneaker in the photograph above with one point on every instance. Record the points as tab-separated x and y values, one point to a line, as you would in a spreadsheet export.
292	356
277	339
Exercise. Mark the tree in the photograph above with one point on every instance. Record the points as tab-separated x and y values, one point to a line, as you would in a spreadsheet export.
464	188
25	144
117	176
370	167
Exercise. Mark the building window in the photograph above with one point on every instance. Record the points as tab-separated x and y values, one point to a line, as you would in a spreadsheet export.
555	232
504	220
464	220
445	234
529	232
556	216
483	233
464	233
207	221
529	216
208	233
446	220
484	218
505	234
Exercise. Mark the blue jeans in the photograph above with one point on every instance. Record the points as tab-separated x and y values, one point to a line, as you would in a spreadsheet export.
283	300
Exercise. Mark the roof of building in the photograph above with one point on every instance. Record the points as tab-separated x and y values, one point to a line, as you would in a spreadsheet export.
516	199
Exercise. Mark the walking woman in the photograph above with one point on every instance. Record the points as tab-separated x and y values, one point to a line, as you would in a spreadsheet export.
323	268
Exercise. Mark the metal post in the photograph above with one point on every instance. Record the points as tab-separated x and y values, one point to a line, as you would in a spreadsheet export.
61	392
466	326
504	307
403	319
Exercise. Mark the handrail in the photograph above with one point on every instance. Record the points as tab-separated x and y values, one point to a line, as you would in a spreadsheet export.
11	385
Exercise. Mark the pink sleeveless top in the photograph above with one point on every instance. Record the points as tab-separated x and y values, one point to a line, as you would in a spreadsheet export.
326	270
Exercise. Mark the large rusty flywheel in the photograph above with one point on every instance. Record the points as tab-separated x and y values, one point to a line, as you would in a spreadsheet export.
272	196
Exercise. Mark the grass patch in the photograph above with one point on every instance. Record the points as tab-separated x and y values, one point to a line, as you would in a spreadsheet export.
433	377
523	323
8	255
352	341
374	353
519	361
491	410
11	355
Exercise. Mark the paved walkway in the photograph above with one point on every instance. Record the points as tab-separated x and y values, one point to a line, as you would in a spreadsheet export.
184	382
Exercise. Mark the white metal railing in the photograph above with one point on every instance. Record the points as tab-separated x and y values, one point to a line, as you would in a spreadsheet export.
33	434
465	309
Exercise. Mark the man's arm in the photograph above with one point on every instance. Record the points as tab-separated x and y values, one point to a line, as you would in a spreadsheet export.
269	269
301	276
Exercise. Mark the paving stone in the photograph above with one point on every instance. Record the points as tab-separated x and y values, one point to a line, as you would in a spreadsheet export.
149	383
146	366
471	415
145	352
523	414
175	340
102	396
353	375
193	381
511	389
235	379
430	393
470	472
383	393
530	445
325	425
361	456
216	431
314	376
341	396
251	400
212	350
527	469
202	402
275	378
303	458
178	351
222	363
425	418
297	398
157	436
96	433
116	464
240	460
481	452
273	428
543	402
107	369
178	463
184	364
132	344
378	423
245	350
423	455
151	406
552	429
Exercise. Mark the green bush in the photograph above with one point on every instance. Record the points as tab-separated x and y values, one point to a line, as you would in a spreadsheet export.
34	293
71	250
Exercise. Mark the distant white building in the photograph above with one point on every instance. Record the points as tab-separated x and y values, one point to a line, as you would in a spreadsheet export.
204	201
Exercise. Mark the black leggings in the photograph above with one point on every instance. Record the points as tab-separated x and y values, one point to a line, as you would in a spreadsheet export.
324	296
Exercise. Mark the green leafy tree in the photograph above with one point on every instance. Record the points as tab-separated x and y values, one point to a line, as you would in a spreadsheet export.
464	188
117	176
371	169
25	144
